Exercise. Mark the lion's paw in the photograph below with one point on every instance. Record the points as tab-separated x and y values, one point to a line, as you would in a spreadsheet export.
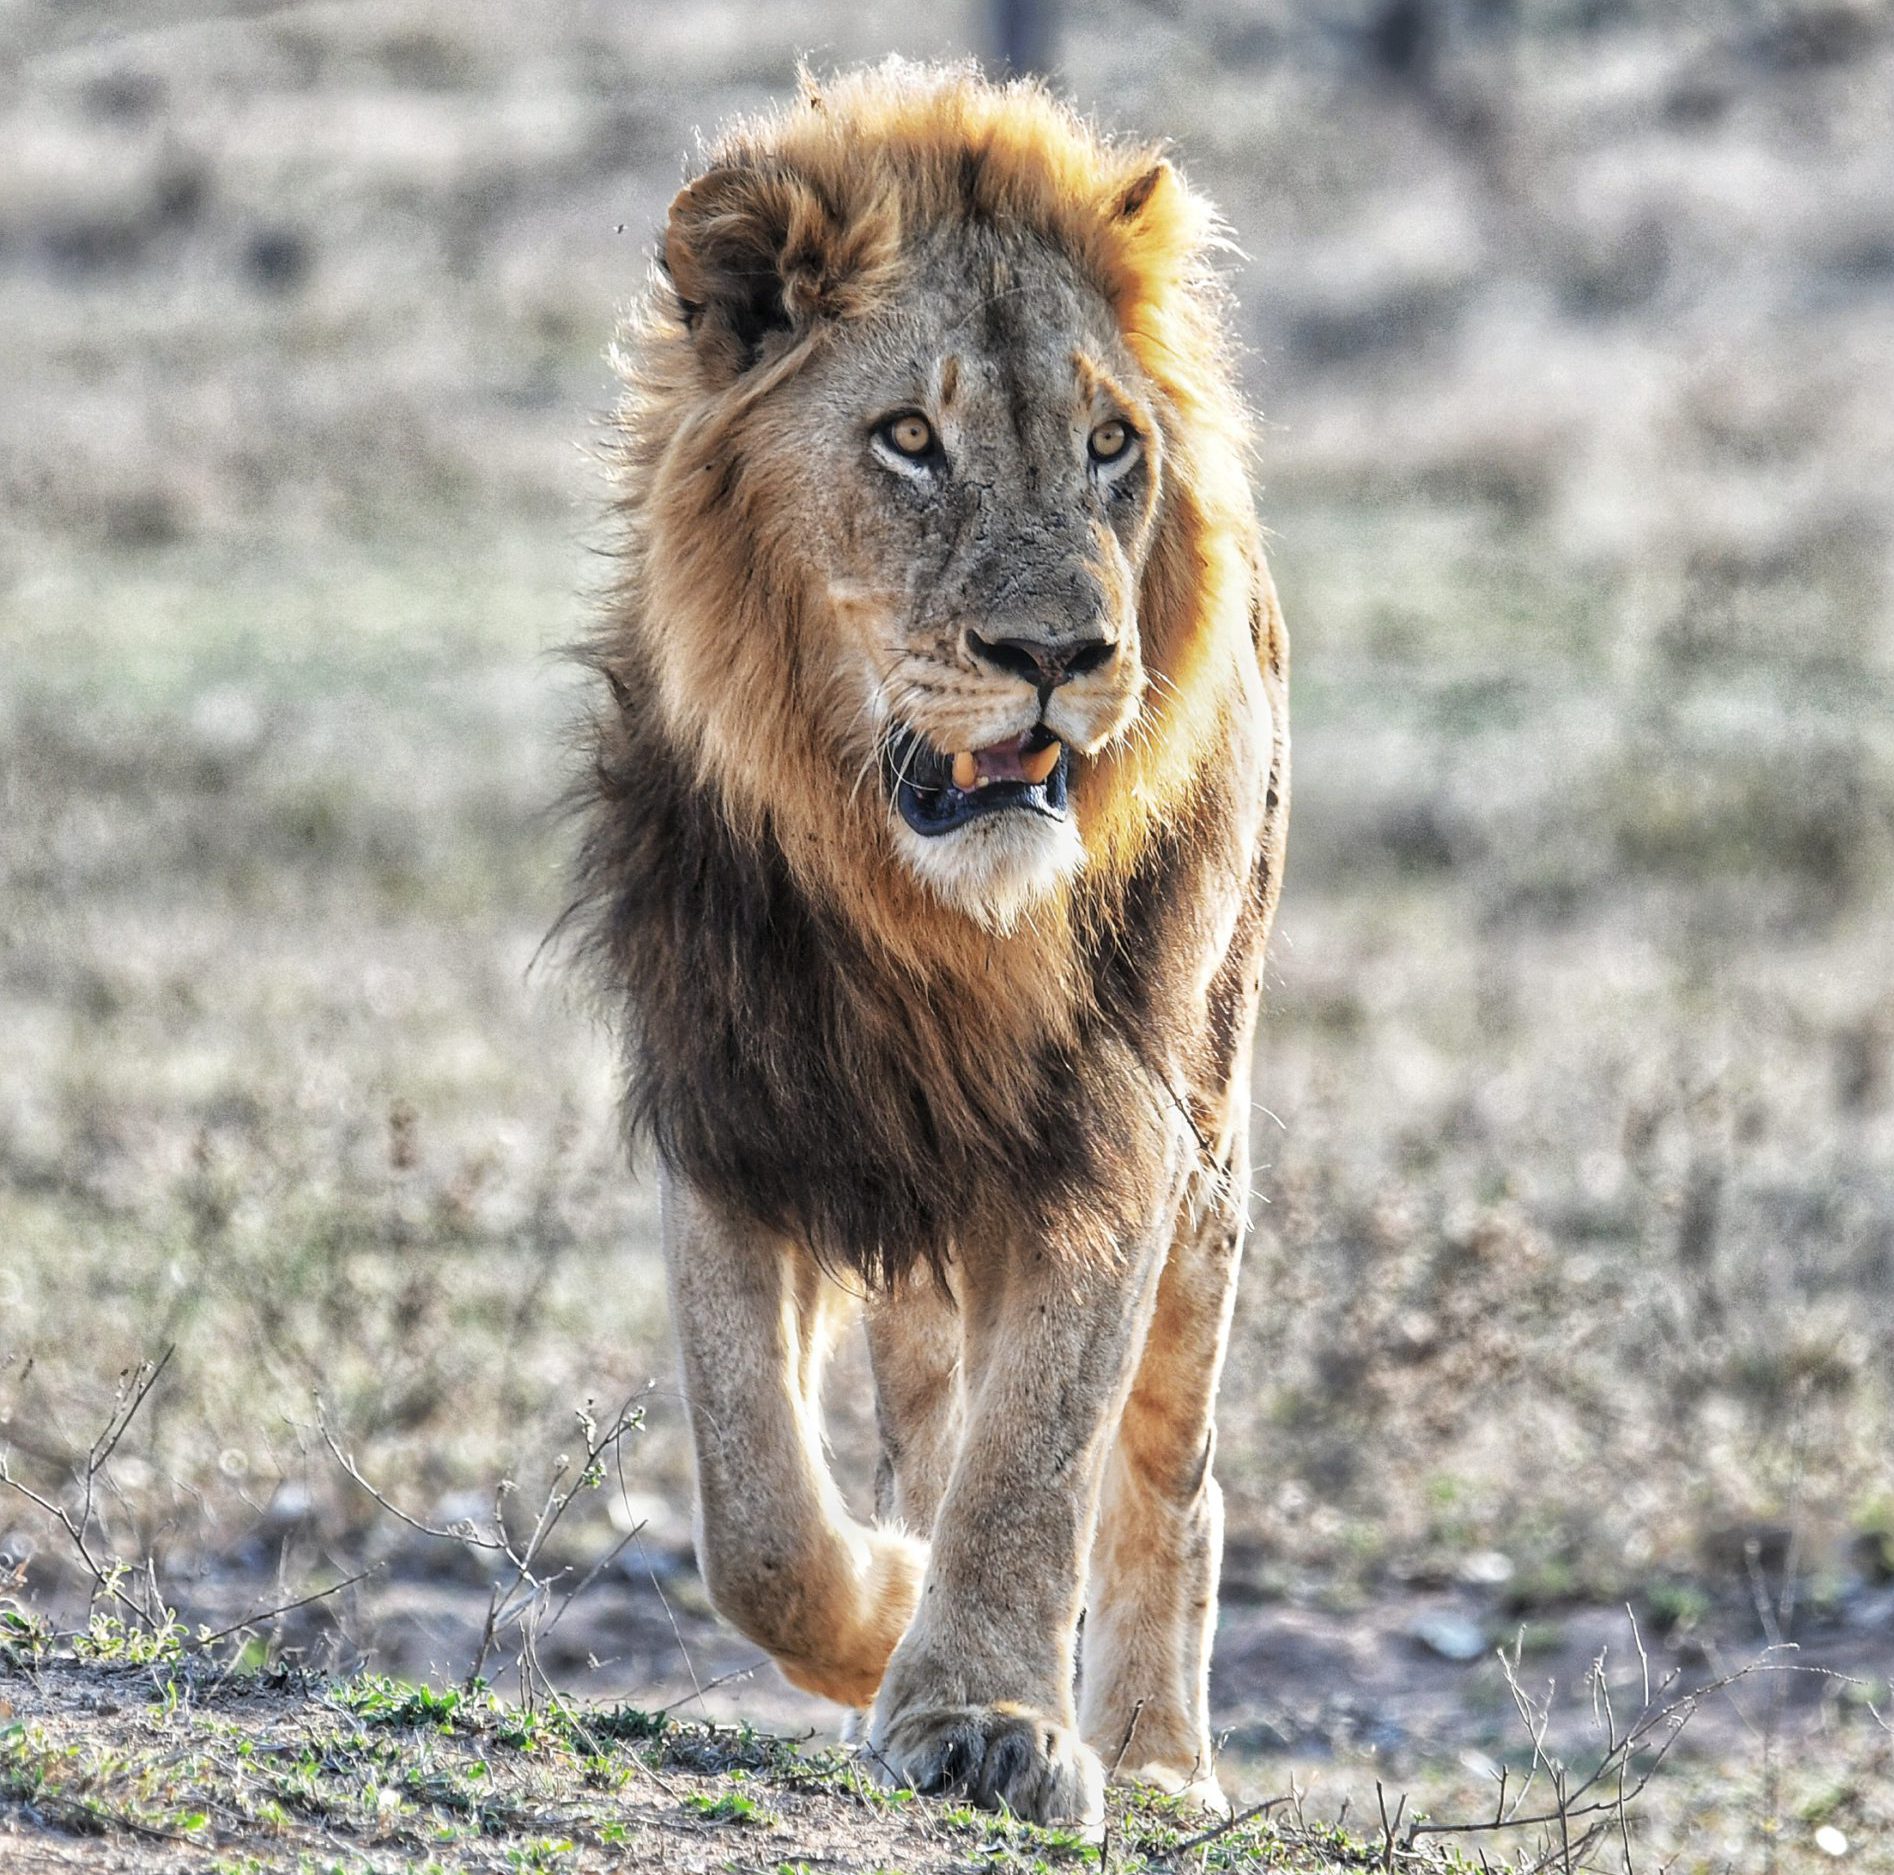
998	1757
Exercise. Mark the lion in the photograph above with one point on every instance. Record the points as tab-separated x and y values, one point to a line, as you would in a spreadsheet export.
933	824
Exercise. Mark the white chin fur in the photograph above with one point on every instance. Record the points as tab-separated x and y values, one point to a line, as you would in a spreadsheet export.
995	869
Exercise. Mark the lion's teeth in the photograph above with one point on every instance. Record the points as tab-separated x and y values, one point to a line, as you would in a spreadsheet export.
1038	766
966	771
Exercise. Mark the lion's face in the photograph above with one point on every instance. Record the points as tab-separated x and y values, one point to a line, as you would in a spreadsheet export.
968	481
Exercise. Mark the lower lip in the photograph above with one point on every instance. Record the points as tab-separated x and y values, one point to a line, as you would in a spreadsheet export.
952	809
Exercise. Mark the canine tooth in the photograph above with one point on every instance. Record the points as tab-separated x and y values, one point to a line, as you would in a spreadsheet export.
966	771
1038	766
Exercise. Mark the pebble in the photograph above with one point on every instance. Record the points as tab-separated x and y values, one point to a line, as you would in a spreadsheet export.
1486	1568
1451	1636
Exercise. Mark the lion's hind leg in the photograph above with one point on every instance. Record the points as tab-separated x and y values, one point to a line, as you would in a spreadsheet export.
826	1597
914	1347
1152	1592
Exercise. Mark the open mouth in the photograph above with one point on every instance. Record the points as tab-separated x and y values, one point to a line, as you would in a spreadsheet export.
937	792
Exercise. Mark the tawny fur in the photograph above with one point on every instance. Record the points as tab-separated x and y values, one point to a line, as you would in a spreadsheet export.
1002	1080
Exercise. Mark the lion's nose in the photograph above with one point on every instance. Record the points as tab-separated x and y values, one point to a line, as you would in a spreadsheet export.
1044	663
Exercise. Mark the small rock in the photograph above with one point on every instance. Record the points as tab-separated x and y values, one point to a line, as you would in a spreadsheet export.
1486	1568
289	1504
1451	1636
1830	1841
1874	1610
226	721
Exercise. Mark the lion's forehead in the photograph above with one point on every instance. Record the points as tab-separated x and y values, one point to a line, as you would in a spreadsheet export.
1006	338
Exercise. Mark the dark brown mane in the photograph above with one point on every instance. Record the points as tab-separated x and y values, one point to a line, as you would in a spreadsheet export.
790	1073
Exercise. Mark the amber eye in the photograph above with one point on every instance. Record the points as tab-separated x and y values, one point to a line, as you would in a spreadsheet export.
909	435
1110	441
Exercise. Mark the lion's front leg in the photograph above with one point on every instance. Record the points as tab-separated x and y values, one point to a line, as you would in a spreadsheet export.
978	1698
1152	1605
783	1560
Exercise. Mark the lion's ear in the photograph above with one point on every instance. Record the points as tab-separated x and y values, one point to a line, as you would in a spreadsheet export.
723	249
1159	179
1155	233
753	251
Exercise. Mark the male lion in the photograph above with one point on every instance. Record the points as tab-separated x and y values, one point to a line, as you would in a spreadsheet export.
932	836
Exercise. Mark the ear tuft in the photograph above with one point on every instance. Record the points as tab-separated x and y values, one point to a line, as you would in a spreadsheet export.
1135	199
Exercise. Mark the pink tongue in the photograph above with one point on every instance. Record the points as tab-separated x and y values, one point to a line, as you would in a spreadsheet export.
1001	761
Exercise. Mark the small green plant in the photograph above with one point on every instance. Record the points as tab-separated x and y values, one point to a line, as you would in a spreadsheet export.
730	1806
627	1724
1679	1606
523	1730
1009	1842
378	1700
25	1639
111	1641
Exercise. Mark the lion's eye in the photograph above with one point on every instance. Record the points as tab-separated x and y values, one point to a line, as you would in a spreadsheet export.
1109	441
909	435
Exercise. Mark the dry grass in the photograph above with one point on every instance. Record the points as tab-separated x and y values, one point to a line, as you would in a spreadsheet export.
1577	1096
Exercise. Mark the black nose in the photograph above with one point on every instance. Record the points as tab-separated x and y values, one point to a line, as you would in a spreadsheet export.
1044	663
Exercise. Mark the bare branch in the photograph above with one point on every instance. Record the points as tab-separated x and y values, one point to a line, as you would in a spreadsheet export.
283	1608
519	1595
1235	1820
461	1532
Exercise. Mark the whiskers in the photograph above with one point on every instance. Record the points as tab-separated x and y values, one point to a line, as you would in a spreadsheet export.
1165	682
892	699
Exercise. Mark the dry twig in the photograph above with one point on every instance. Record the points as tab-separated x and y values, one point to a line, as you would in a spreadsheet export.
520	1594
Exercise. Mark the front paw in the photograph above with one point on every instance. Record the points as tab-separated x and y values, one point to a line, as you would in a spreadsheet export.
1000	1757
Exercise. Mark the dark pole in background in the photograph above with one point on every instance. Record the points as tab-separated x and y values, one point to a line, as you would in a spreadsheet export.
1022	35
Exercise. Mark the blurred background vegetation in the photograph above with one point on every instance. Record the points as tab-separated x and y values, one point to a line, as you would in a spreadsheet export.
1571	323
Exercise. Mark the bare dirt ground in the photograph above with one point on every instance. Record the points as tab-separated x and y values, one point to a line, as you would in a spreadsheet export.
1573	1280
132	1770
167	1765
